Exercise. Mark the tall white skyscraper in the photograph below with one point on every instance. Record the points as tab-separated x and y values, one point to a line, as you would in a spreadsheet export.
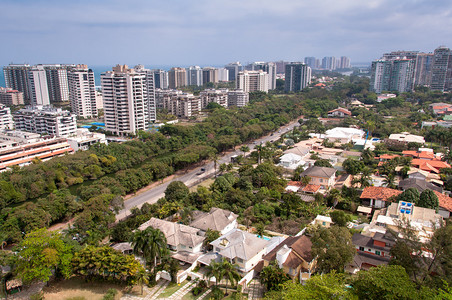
252	81
6	119
82	92
127	104
194	76
37	86
269	68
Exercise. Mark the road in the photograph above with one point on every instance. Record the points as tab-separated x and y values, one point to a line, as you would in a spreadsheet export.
191	178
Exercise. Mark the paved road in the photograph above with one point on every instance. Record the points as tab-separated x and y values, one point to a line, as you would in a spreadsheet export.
190	178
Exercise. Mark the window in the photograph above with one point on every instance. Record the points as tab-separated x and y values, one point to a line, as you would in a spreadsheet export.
321	180
361	248
323	223
370	250
239	260
377	252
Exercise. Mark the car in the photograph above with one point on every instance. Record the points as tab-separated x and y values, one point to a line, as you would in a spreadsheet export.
203	169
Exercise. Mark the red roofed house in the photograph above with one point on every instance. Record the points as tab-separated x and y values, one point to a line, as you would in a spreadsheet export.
294	256
377	196
441	108
432	166
445	204
311	188
339	112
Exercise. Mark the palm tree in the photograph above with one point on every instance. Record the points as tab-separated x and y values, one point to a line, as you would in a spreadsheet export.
214	270
244	149
388	180
151	243
259	149
305	180
230	273
142	279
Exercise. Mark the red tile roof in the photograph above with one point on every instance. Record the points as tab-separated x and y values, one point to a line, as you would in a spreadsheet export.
311	188
430	165
295	183
444	201
379	193
345	111
388	156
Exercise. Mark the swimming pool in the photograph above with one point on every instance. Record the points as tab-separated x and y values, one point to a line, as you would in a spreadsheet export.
264	237
98	123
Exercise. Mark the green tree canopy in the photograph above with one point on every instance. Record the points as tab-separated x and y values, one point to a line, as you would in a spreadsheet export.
333	246
428	199
40	253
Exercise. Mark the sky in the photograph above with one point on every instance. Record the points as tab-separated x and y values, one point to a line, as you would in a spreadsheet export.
216	32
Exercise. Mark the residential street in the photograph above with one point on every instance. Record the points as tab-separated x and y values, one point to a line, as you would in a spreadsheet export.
191	178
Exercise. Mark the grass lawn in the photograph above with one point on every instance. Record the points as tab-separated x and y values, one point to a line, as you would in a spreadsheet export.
205	183
77	287
171	289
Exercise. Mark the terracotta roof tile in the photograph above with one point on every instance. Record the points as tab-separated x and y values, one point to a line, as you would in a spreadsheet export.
311	188
444	201
379	193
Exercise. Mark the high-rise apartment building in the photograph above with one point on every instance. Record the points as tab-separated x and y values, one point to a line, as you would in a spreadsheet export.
10	97
150	86
194	76
177	77
310	62
298	76
344	63
223	74
16	78
402	75
127	106
37	86
211	95
380	76
329	63
57	82
238	98
269	68
423	69
392	75
442	69
6	119
233	69
46	120
209	74
280	66
251	81
160	79
82	92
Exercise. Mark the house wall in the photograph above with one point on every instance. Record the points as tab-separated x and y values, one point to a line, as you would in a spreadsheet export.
194	249
444	213
254	260
229	227
324	182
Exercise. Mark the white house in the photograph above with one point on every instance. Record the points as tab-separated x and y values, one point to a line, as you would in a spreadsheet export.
407	137
179	237
241	248
291	161
344	135
217	219
339	112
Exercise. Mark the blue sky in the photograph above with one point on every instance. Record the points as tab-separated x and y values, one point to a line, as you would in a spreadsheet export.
211	32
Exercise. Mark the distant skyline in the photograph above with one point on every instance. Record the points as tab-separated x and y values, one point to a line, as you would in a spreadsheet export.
211	32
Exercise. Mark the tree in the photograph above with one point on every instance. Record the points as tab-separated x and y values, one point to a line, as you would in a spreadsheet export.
409	195
230	273
142	279
305	180
384	282
244	149
428	199
272	276
322	287
353	166
40	253
339	218
107	264
151	243
323	163
176	191
214	270
389	180
210	236
409	252
334	248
